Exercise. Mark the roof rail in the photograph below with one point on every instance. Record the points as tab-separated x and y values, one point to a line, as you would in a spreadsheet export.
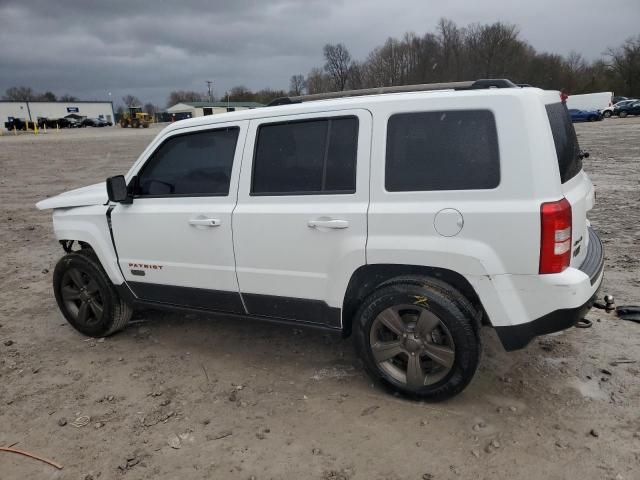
468	85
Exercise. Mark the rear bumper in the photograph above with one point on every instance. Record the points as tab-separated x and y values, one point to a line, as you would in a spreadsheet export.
593	263
514	337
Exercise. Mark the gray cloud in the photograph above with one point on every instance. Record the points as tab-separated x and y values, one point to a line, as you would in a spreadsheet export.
149	47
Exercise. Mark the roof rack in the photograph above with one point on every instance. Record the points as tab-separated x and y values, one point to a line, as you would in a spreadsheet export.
469	85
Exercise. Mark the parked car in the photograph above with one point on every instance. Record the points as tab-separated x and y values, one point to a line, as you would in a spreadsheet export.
584	115
406	220
75	123
16	123
618	98
93	122
632	108
609	111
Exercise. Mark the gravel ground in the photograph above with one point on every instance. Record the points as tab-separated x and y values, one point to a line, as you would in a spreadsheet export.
199	396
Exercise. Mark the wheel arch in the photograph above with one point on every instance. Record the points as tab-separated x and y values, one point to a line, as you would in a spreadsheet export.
369	277
88	226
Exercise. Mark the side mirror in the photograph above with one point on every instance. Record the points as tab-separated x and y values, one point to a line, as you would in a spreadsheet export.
117	189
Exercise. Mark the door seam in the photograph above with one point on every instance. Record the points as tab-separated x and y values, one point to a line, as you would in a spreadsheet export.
233	211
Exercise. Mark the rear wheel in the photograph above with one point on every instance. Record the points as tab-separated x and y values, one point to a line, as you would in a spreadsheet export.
418	338
86	297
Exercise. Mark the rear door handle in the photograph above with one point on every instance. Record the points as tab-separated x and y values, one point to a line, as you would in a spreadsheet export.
205	222
329	223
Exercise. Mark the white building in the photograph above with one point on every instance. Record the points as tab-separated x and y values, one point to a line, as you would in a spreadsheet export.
31	111
199	109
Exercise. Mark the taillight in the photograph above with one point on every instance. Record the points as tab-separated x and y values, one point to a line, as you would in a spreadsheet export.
555	238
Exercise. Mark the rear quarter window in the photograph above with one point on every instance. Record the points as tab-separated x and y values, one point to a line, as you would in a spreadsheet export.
442	150
565	141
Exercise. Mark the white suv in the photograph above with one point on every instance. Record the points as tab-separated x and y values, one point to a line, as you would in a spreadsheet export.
409	219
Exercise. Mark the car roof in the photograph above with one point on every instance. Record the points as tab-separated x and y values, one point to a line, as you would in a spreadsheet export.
358	102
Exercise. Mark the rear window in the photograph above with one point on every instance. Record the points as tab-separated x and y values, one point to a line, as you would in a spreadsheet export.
565	140
444	150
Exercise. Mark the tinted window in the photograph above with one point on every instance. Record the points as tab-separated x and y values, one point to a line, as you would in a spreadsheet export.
314	156
192	164
447	150
565	140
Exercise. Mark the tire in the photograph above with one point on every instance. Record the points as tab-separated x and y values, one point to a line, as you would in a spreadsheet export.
607	114
81	285
622	114
429	318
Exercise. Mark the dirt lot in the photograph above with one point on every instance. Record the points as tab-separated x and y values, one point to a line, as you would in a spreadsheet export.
210	397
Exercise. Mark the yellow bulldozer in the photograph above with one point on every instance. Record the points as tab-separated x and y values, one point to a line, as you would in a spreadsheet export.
136	118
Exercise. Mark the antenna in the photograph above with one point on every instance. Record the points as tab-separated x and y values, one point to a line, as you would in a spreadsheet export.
209	83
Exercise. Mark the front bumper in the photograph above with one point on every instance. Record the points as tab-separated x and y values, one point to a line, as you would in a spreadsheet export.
514	337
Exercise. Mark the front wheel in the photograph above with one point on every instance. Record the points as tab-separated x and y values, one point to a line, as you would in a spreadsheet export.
86	297
607	114
622	114
418	338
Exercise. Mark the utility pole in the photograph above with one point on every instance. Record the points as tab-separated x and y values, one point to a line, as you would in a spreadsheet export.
209	83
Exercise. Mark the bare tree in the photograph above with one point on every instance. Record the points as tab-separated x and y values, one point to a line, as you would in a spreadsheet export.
356	77
240	93
19	94
131	101
451	39
179	96
491	48
317	81
337	64
625	64
150	108
297	84
68	98
47	97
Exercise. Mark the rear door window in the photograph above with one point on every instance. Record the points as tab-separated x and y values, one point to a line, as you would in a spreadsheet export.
306	157
442	150
565	140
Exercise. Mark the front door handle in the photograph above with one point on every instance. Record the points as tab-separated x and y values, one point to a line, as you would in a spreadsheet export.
328	223
205	222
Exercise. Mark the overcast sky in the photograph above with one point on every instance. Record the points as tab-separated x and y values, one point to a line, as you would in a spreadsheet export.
147	48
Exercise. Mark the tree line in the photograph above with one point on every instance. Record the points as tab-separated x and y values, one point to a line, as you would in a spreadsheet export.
27	94
454	53
450	53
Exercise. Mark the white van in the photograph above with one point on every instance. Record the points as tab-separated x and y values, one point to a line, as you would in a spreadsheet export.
590	101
